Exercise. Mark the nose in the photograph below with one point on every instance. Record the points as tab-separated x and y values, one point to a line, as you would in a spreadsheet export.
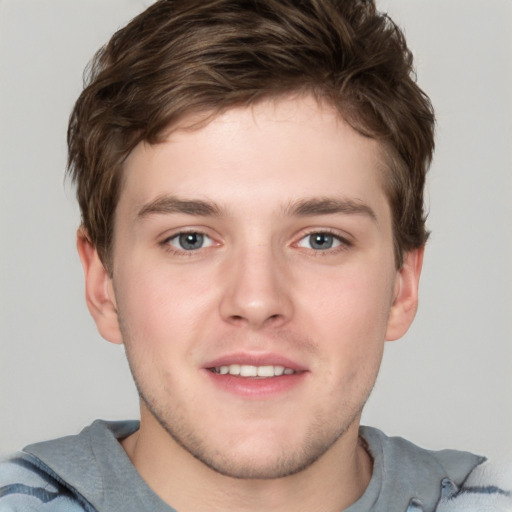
257	290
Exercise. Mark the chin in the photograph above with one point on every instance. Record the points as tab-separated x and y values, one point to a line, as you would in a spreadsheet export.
256	451
257	464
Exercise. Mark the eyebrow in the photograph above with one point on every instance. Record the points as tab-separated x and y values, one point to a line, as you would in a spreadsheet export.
328	206
300	208
171	204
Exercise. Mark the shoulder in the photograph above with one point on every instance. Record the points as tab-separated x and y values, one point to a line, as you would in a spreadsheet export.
25	485
414	479
399	456
68	474
487	488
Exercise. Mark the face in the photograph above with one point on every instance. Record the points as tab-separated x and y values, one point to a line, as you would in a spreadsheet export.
254	284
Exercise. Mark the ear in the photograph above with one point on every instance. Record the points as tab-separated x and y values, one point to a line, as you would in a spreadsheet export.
99	289
405	303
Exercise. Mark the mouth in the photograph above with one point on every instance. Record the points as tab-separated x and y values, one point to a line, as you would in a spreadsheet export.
254	372
256	376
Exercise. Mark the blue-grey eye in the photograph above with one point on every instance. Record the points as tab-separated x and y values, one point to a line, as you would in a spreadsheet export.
190	241
320	241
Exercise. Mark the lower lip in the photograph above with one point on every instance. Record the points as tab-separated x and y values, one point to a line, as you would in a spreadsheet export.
256	388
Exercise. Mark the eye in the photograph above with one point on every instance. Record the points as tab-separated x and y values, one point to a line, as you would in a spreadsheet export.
190	241
321	241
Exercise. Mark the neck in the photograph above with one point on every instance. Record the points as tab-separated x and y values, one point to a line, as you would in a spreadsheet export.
332	483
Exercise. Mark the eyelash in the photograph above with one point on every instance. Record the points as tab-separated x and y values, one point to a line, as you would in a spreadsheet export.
343	242
166	243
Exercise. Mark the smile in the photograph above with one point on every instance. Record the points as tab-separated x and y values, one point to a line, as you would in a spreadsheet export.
246	370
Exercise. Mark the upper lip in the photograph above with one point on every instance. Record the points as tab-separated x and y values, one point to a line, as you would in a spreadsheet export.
264	359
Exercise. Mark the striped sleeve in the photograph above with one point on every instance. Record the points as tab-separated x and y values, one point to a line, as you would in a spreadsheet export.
26	487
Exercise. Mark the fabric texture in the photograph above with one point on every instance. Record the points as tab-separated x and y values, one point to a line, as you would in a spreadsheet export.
91	472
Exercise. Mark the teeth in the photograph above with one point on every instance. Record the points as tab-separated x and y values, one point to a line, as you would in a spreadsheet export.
279	370
265	371
247	370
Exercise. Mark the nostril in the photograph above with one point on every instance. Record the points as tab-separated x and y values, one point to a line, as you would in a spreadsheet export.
273	319
241	319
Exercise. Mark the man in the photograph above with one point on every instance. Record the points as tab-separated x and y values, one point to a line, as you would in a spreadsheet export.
250	177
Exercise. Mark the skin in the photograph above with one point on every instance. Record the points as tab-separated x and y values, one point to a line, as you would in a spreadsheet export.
262	184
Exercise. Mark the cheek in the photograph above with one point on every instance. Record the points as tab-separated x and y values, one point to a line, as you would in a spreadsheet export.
159	306
350	316
356	301
158	319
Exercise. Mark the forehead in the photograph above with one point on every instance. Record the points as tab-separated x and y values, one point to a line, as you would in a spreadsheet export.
279	150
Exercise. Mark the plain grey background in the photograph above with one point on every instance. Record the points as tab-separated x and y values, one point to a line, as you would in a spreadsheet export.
446	384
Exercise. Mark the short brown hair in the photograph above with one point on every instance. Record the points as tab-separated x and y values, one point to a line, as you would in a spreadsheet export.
181	57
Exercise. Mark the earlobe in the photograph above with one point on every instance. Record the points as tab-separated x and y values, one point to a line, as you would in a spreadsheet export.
99	291
405	303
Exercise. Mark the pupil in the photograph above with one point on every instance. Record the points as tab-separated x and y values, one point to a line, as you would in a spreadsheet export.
321	241
190	241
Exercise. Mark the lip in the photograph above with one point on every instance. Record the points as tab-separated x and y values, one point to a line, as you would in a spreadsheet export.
252	387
